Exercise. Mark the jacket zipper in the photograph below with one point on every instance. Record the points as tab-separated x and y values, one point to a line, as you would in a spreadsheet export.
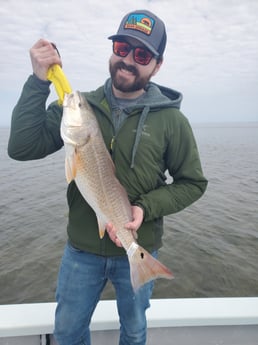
112	145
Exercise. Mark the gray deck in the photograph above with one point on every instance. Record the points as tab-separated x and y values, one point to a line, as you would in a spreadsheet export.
211	321
208	335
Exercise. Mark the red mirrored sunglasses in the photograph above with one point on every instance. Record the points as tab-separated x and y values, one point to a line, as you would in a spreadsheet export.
141	55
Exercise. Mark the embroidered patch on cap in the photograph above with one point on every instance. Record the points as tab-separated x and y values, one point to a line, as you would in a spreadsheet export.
140	22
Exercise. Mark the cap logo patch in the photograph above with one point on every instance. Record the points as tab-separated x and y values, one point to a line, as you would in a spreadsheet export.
140	22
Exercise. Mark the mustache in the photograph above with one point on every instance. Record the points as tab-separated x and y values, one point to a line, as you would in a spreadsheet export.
122	65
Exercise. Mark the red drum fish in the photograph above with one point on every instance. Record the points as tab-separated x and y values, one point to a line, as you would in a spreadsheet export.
89	163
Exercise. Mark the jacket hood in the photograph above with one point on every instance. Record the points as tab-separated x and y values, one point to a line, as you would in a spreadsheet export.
156	97
171	98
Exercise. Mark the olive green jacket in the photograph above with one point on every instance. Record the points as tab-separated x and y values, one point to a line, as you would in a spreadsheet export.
154	138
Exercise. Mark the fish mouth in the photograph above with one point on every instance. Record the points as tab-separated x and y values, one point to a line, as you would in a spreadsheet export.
79	95
72	100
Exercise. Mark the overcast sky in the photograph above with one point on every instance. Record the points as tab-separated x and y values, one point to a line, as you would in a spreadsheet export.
211	55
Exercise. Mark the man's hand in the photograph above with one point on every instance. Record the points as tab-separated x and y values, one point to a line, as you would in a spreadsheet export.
43	55
138	214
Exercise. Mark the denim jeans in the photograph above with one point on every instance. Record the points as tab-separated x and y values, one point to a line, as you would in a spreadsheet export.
82	278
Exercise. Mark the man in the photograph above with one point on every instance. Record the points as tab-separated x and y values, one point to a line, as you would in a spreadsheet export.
147	135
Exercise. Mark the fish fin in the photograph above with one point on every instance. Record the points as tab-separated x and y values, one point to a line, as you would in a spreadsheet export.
102	228
70	168
144	267
101	232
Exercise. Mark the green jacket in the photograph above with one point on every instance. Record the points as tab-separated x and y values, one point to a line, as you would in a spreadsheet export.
155	137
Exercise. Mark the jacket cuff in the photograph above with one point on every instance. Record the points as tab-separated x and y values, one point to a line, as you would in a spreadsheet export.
39	83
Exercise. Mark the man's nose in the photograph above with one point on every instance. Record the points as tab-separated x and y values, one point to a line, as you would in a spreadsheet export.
129	58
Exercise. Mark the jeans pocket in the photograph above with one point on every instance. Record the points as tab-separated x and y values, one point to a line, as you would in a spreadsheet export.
73	249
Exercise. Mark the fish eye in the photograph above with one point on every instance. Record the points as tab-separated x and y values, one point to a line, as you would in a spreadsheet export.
79	105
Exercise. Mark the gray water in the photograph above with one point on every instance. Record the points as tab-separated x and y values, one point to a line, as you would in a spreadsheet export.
212	246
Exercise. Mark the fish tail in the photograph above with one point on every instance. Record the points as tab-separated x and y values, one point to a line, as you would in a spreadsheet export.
144	267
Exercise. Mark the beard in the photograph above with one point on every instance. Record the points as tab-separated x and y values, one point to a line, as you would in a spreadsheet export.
122	84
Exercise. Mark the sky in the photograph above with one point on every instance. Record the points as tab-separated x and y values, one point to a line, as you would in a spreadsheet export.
211	54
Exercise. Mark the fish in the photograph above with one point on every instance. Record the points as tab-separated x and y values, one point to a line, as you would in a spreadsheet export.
88	162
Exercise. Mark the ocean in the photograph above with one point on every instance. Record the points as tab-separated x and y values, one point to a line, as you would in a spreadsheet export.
211	247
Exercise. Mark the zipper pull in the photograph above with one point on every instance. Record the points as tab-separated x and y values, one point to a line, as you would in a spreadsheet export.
111	145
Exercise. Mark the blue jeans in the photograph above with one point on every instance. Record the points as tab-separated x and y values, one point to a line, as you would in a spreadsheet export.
82	278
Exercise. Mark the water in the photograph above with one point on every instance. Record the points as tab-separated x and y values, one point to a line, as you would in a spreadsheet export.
212	246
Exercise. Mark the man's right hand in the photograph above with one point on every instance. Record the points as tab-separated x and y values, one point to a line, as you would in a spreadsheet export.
43	55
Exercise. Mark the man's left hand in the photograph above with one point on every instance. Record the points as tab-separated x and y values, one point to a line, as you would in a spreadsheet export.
137	214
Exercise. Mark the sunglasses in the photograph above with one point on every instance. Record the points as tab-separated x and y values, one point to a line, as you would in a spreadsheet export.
141	55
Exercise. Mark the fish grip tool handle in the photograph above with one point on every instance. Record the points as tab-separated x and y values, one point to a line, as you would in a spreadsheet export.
56	75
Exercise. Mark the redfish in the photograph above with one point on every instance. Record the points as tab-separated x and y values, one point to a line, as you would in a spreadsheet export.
89	163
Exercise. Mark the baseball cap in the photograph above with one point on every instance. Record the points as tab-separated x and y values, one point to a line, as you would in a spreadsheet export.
146	27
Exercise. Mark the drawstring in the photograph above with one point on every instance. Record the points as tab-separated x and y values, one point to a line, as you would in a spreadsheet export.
139	133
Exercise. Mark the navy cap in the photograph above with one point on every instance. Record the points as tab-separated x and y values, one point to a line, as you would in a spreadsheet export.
146	27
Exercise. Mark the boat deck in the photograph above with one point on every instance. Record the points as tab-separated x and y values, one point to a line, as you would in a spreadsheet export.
211	321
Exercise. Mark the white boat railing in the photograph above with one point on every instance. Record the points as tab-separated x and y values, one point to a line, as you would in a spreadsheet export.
38	318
